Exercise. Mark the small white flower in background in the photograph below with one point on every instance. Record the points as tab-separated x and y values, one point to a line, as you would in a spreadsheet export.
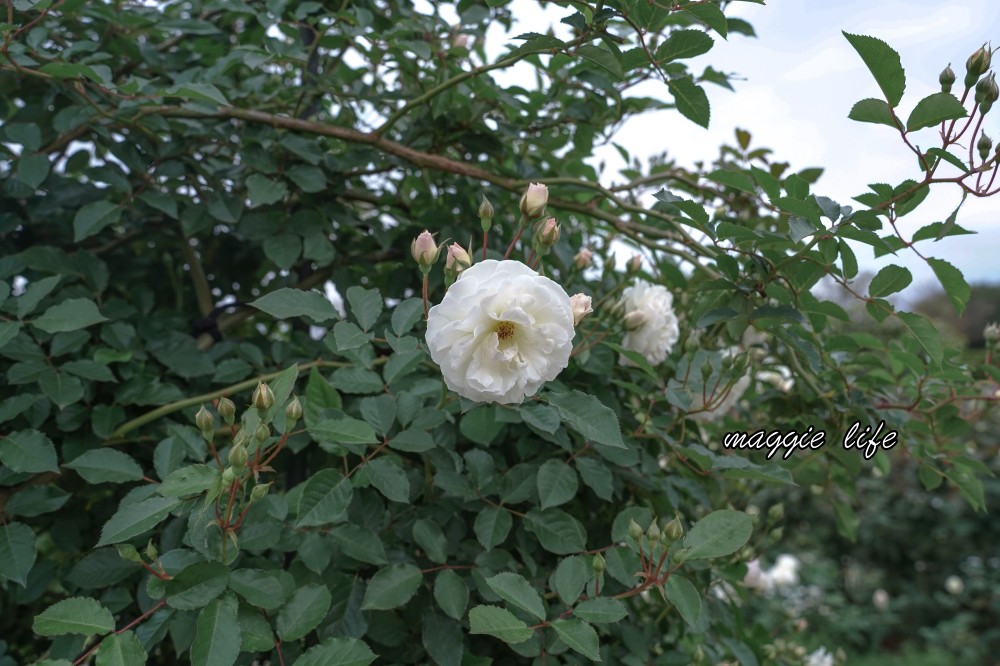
756	578
655	332
992	332
785	571
954	585
820	657
501	331
880	599
582	306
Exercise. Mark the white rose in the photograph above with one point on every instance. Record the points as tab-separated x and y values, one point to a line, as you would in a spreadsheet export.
820	657
656	330
501	331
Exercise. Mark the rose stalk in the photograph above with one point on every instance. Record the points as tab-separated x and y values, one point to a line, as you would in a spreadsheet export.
425	252
533	203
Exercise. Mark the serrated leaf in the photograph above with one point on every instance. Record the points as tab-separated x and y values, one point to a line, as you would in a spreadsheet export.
492	526
288	302
106	466
28	451
324	499
557	531
33	169
218	636
710	15
93	218
883	62
337	652
451	593
391	587
196	585
579	636
390	479
925	333
135	518
17	552
684	44
685	598
259	587
517	591
189	480
303	612
691	100
717	534
602	58
535	43
366	305
360	543
499	623
204	92
557	483
571	577
933	109
601	610
124	649
348	336
872	110
76	615
588	416
953	281
70	315
889	280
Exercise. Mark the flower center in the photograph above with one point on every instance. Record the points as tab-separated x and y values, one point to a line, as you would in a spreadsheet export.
505	330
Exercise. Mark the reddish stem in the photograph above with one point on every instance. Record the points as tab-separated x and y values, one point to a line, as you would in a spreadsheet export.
510	248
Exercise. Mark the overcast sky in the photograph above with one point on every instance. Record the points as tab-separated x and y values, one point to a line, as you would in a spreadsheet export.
800	79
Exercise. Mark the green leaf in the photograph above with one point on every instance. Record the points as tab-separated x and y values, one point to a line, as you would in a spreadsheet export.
76	615
337	652
69	70
389	478
517	591
536	43
70	315
492	526
406	314
710	15
17	552
288	302
33	169
685	598
571	577
736	179
28	451
303	612
61	388
106	466
602	58
217	636
557	531
8	331
691	100
203	92
951	159
601	610
189	480
588	416
925	333
933	109
124	649
93	218
259	587
889	280
717	534
133	519
262	191
557	483
883	62
451	593
391	587
953	281
348	336
366	305
429	536
580	636
499	623
324	499
360	543
343	431
308	178
872	110
196	585
684	44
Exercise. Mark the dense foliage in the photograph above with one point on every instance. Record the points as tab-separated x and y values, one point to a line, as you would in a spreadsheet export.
203	459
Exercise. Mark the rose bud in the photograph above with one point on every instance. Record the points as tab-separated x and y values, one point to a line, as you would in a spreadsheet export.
424	250
533	201
583	258
581	304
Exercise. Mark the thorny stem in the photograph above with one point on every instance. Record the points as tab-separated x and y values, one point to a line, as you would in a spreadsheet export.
86	655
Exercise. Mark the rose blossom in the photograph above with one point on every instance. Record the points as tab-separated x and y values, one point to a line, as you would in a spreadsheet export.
501	331
654	331
582	306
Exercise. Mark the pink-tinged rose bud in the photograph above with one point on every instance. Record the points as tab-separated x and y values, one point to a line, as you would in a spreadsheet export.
424	250
583	258
460	41
635	319
581	304
548	232
457	260
533	201
635	263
